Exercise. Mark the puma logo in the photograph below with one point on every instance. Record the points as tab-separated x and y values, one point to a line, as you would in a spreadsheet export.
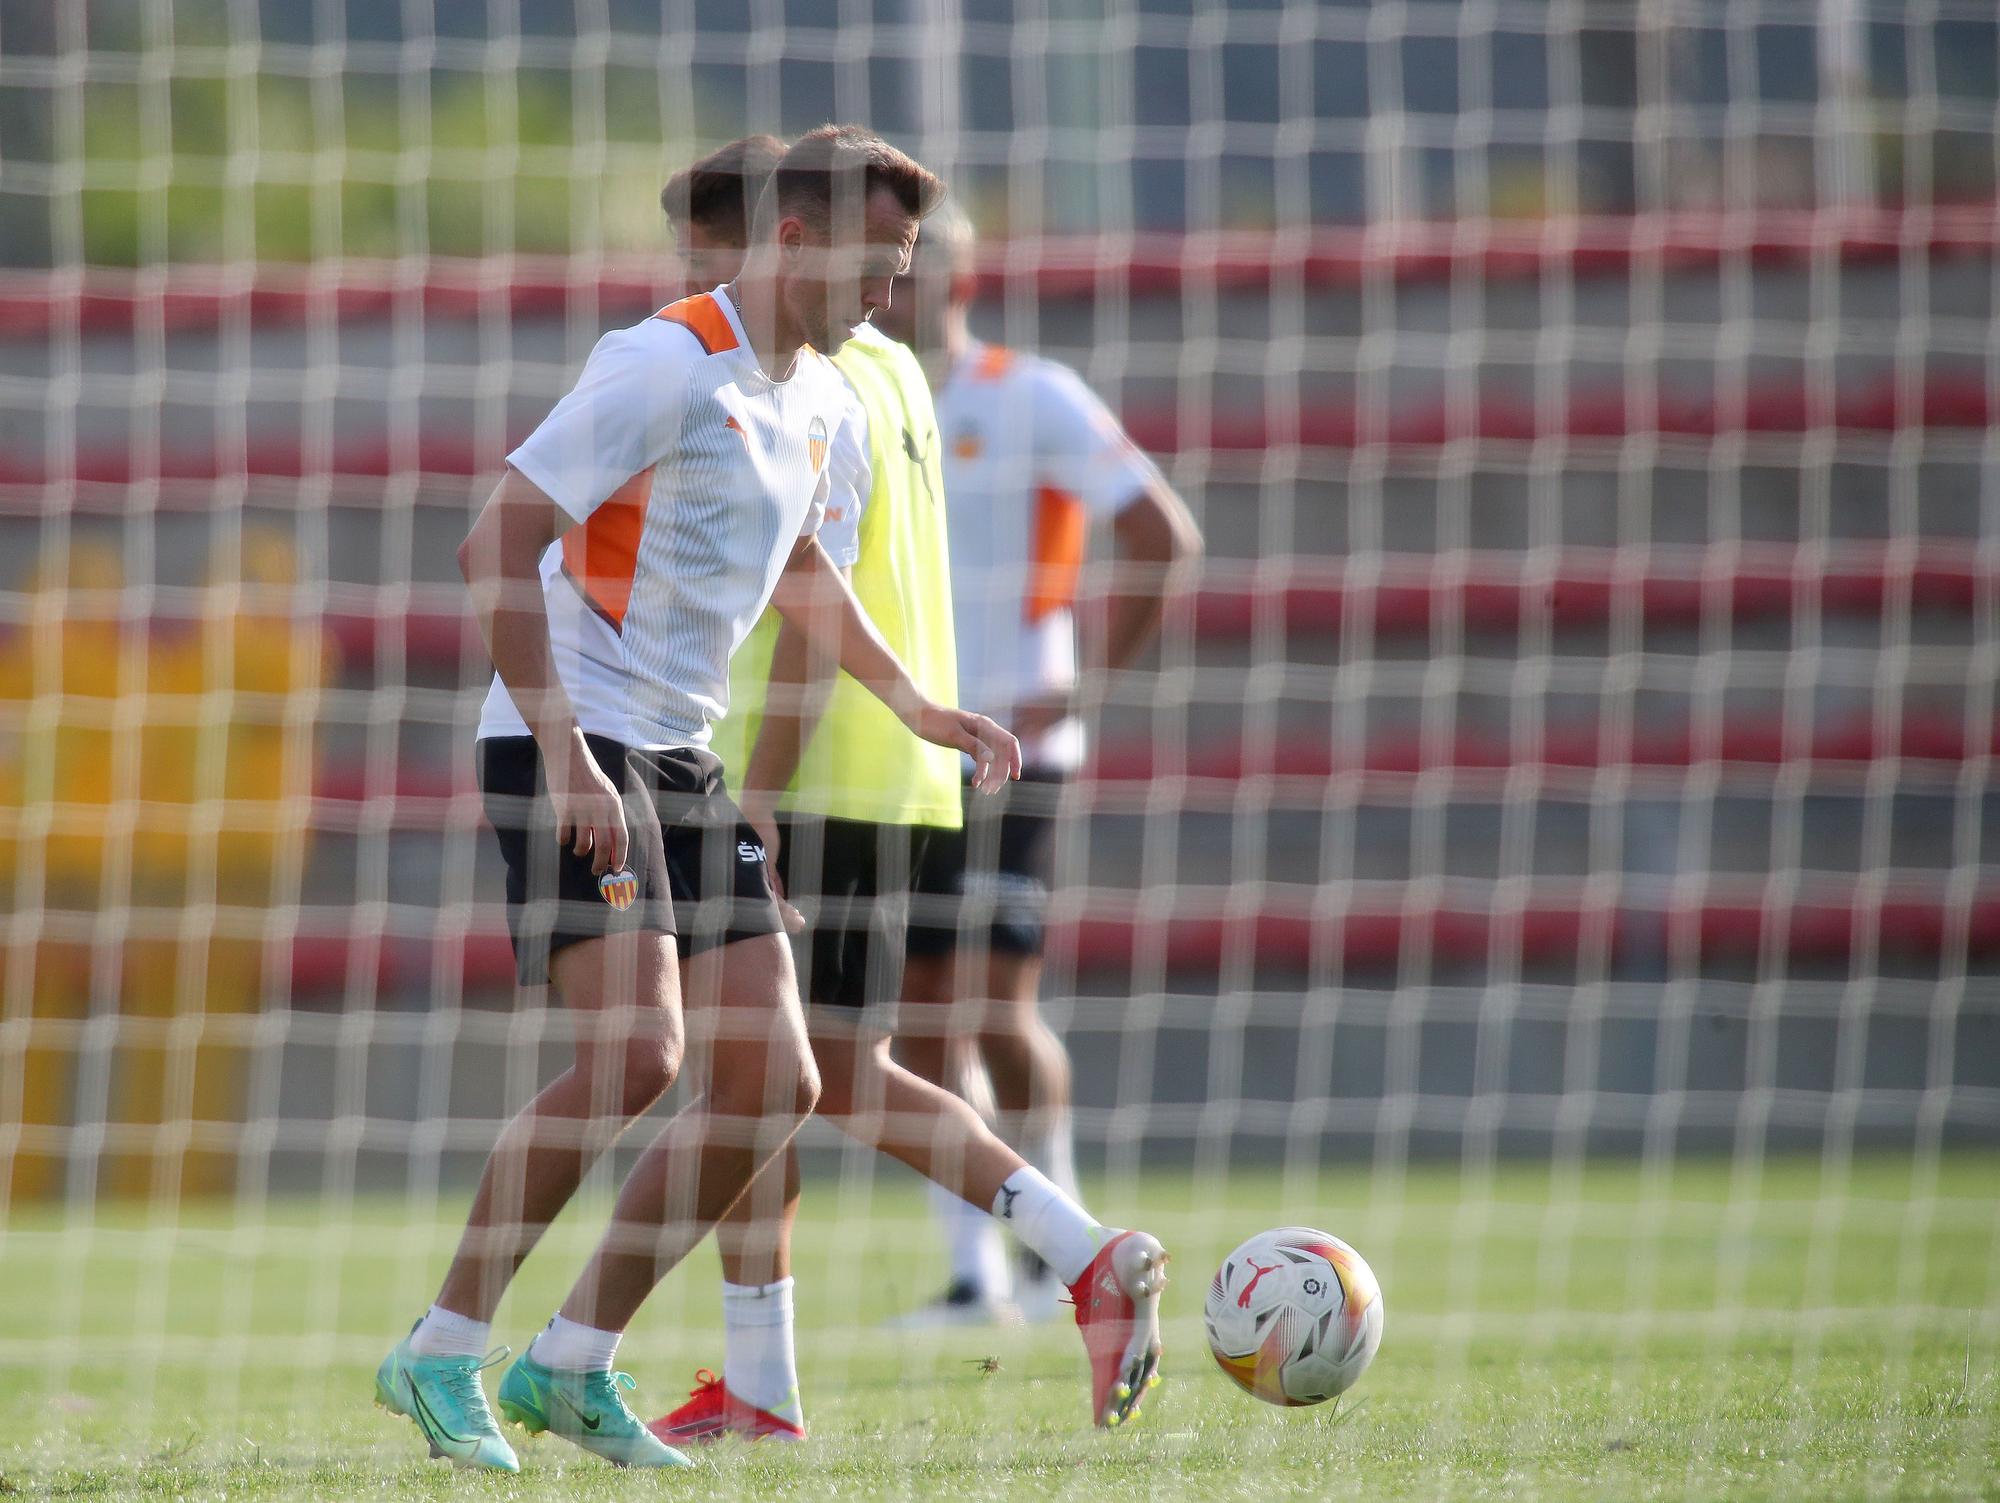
921	459
1243	1299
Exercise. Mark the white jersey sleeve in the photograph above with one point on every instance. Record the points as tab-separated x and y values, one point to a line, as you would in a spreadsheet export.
1080	447
623	414
849	480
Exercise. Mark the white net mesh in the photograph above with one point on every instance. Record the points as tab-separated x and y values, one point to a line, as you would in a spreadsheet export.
1553	848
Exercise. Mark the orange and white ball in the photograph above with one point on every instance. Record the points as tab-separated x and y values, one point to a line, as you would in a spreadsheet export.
1294	1316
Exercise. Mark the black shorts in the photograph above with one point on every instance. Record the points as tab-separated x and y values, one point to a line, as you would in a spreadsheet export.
851	879
987	885
696	869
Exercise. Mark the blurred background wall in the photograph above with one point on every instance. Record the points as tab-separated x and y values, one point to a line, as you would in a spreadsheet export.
1583	731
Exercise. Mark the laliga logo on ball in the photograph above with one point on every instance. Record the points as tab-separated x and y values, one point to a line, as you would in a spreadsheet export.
618	889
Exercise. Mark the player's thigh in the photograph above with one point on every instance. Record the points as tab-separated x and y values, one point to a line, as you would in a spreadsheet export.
1013	984
931	935
743	1005
930	980
1013	878
853	881
853	1058
624	990
555	902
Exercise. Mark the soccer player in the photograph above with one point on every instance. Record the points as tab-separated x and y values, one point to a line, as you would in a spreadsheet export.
1031	458
674	493
709	204
846	799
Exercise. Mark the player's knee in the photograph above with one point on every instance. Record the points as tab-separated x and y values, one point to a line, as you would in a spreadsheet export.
784	1081
847	1085
795	1078
808	1087
650	1066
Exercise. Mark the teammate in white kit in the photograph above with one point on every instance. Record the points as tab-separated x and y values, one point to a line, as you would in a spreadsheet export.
676	491
1031	459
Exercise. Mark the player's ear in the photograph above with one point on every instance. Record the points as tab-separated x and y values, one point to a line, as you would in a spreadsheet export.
791	237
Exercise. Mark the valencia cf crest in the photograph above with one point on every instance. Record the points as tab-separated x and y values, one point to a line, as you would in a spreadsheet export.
816	444
618	889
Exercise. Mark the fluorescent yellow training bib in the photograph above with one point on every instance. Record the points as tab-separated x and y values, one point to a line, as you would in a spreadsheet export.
862	763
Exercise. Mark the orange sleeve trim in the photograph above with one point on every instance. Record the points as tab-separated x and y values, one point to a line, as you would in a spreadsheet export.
701	317
601	555
1057	560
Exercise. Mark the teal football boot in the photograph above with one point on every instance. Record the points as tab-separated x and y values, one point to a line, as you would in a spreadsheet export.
584	1408
443	1397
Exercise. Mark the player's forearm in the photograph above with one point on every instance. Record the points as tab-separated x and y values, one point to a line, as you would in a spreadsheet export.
815	598
818	600
518	642
867	659
1132	621
801	682
501	562
1158	545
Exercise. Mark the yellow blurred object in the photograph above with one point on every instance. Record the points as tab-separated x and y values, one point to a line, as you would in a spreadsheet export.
226	792
63	672
152	775
70	669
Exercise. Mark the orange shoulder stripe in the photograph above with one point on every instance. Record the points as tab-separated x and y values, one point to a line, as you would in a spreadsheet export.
994	361
701	317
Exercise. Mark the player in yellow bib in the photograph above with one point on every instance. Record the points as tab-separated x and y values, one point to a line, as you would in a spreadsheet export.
846	800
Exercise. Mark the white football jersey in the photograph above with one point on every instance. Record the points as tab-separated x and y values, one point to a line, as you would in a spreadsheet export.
1031	456
690	475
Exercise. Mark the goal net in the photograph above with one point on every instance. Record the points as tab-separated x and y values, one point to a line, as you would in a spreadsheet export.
1552	844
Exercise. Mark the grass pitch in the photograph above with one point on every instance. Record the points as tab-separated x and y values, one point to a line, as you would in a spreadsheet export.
1789	1329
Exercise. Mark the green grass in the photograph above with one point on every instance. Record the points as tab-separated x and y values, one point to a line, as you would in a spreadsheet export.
1711	1332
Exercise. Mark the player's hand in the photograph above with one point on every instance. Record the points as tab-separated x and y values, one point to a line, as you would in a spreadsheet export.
590	816
1038	717
760	816
996	755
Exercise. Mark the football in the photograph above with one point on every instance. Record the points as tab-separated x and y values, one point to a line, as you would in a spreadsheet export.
1294	1316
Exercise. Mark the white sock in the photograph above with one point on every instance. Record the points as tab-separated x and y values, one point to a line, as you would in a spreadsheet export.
1050	1225
978	1256
1055	1156
758	1363
446	1333
572	1348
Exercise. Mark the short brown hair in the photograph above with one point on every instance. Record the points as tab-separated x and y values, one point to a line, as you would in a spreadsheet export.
720	191
846	162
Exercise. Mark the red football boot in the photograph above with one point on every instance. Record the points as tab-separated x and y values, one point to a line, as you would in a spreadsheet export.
712	1412
1118	1311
